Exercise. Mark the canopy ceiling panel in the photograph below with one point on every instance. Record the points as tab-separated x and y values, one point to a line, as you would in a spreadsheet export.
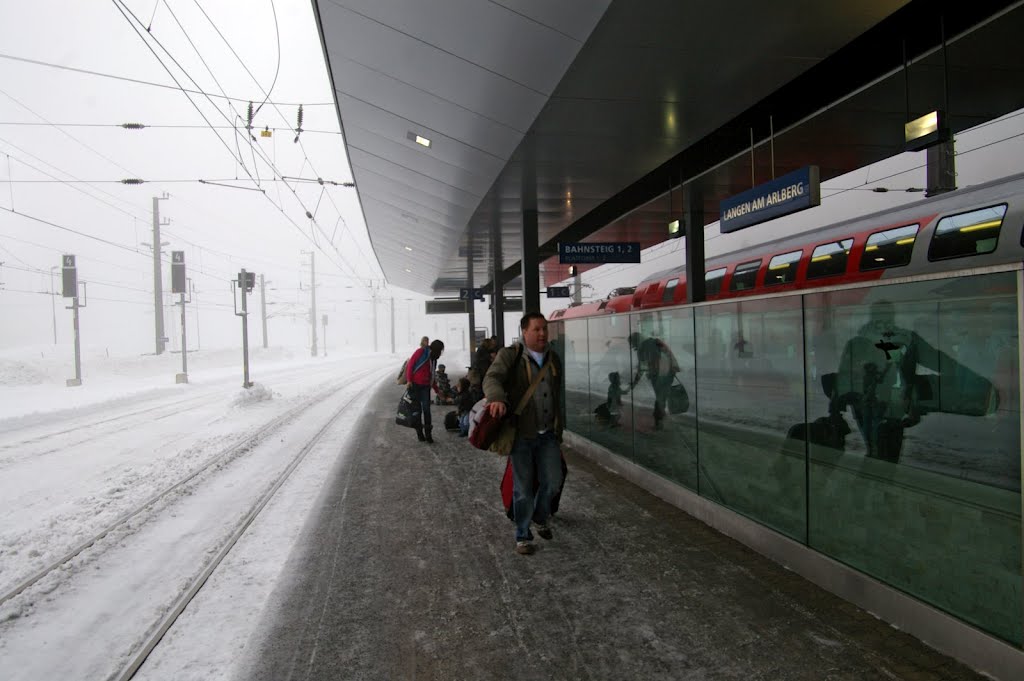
600	106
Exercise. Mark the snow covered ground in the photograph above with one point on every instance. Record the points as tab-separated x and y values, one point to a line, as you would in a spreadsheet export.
74	461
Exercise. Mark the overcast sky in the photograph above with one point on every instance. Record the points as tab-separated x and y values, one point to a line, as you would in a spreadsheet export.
63	157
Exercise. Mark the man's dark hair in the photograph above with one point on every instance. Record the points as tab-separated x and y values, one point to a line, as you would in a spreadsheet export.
524	323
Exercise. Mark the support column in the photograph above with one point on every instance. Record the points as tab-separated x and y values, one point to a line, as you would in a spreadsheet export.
693	217
498	285
471	304
530	262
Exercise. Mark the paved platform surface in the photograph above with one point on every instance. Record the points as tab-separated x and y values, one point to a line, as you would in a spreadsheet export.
407	571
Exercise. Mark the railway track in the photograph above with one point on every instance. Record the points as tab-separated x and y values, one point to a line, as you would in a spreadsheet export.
221	458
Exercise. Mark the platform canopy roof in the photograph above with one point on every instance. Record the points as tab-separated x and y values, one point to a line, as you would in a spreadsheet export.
589	110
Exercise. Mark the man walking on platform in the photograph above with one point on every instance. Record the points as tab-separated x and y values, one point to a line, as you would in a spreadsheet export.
530	378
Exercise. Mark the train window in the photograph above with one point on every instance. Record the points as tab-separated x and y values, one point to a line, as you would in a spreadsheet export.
745	276
891	248
670	290
782	268
828	260
966	234
713	282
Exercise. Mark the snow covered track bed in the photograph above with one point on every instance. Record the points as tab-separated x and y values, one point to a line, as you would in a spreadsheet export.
105	592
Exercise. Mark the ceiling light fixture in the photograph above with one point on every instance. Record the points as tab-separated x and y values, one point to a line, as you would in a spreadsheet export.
418	139
408	248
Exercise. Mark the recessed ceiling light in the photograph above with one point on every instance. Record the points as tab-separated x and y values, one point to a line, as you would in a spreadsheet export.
407	248
418	139
408	270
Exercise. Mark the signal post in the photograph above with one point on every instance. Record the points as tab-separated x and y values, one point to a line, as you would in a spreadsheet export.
179	285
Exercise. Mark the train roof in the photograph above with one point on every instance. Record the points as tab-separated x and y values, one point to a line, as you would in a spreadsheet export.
803	238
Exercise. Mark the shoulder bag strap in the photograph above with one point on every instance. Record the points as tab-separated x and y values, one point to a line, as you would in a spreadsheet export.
533	385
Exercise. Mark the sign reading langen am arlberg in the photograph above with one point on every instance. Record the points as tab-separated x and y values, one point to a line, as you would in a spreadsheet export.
790	193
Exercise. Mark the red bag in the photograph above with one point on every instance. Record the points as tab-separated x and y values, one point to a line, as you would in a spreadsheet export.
486	430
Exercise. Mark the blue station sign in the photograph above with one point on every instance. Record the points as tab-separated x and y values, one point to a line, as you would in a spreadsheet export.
592	253
797	191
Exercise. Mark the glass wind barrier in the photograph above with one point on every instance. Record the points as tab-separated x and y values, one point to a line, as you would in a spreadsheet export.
914	441
750	380
879	426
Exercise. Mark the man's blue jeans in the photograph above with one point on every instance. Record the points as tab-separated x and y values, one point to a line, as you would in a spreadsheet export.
421	393
536	478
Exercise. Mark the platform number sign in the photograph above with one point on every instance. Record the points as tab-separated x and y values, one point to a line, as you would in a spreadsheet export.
69	279
178	282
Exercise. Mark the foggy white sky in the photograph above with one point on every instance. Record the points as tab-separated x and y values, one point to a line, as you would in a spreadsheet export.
62	125
220	229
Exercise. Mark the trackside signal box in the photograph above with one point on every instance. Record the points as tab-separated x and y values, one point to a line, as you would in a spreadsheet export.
69	279
178	282
250	281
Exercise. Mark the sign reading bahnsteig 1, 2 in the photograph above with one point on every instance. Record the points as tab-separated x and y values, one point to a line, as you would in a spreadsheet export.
591	253
790	193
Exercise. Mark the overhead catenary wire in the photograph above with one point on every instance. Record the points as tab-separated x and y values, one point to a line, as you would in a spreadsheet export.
301	146
137	81
129	16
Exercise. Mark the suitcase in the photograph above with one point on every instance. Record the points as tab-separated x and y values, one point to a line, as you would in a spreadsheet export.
451	420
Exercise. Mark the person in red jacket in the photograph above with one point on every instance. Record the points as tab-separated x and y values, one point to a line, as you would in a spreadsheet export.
419	374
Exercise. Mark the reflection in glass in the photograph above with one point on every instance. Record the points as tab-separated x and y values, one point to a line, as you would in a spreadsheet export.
662	380
609	383
914	441
750	392
577	377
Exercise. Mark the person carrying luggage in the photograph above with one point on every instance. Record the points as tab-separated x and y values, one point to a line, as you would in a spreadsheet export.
419	374
536	455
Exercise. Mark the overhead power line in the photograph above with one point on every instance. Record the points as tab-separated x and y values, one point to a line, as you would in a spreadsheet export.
36	62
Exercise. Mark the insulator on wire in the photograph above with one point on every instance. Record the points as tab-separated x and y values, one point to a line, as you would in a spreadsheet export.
298	128
132	180
251	116
132	126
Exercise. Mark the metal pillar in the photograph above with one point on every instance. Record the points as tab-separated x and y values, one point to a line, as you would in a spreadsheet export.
693	217
530	262
312	314
497	283
263	308
471	305
158	291
77	380
183	376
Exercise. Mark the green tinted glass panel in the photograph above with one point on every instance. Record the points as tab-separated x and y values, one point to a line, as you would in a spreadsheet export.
610	372
577	377
750	392
914	441
662	393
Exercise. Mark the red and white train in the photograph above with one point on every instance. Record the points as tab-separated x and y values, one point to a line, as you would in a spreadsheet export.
969	228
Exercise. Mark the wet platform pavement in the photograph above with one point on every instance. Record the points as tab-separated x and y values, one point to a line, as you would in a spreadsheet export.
407	571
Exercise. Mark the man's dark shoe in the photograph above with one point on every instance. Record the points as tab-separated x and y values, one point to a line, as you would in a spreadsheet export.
544	531
419	435
525	548
428	437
